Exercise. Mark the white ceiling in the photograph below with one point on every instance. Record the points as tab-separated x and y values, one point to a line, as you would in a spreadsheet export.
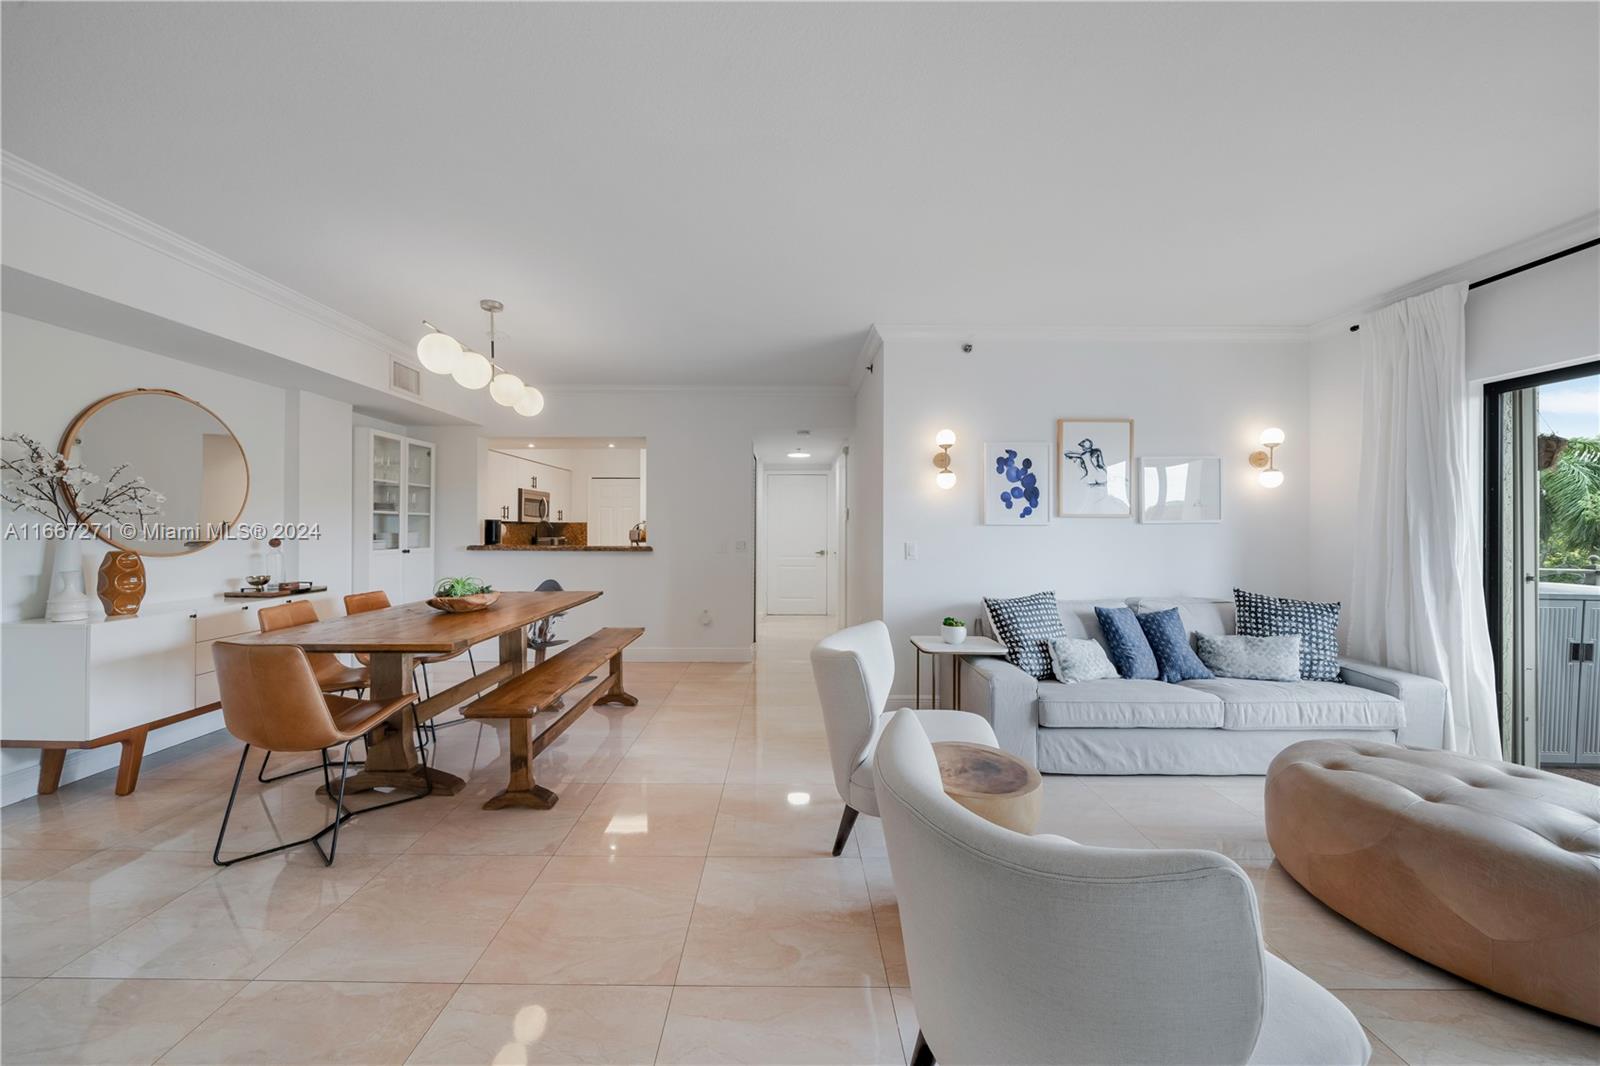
684	193
773	448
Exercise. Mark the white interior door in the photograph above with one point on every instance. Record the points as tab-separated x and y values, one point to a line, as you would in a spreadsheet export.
613	509
797	543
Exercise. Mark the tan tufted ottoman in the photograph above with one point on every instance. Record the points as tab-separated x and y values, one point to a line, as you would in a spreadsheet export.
1487	869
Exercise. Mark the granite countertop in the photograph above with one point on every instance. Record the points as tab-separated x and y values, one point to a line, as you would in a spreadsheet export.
560	547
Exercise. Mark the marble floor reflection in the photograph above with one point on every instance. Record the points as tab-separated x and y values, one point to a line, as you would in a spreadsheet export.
678	905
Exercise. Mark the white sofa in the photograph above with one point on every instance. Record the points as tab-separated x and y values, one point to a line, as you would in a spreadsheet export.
1218	726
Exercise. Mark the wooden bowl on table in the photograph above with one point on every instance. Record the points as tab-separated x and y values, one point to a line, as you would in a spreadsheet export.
463	604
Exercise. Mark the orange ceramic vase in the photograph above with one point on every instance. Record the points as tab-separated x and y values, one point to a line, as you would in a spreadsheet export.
121	585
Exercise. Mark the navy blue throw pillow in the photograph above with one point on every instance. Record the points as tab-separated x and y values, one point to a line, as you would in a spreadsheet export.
1126	644
1170	641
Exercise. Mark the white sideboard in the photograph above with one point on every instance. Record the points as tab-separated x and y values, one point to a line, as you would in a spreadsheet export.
110	680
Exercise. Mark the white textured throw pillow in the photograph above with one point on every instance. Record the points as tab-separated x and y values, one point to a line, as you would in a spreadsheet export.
1072	659
1252	658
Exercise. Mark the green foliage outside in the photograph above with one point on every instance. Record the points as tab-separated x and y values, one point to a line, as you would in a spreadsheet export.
1569	511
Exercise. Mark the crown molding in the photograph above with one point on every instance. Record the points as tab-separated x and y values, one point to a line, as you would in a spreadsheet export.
19	175
1538	246
1234	334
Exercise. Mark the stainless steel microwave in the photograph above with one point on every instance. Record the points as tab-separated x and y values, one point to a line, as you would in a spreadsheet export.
533	505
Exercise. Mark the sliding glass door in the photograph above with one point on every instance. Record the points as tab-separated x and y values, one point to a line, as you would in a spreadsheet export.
1542	564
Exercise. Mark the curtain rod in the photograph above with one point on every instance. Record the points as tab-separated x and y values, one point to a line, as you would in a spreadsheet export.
1551	258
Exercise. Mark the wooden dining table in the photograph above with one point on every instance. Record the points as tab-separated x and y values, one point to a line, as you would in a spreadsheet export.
392	638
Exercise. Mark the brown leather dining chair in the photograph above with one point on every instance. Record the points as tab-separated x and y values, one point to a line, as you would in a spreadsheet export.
378	600
271	699
333	676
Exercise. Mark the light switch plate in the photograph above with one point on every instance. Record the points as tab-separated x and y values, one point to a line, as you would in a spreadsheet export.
911	550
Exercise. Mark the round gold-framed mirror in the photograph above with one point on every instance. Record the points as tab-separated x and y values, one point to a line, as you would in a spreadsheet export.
181	449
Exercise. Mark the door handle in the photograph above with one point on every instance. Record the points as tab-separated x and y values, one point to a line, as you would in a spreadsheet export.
820	551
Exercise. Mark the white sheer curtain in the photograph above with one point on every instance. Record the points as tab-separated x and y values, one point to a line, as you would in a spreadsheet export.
1417	598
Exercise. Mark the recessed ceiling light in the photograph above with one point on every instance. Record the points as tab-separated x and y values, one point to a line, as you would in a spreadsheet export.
799	455
608	445
530	444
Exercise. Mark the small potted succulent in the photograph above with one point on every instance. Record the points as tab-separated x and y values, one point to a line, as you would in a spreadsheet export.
955	631
462	595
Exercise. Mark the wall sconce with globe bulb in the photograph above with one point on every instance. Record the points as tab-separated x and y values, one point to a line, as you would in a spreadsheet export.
945	478
1266	460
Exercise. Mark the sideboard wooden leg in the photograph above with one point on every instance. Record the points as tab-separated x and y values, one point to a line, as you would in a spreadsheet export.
132	756
51	760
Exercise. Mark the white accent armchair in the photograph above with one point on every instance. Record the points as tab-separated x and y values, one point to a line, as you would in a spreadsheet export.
854	670
1034	949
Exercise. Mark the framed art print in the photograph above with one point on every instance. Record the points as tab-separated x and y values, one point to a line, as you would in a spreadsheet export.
1094	458
1016	483
1184	488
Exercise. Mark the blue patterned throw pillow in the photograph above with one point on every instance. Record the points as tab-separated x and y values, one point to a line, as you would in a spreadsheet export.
1316	624
1026	625
1170	641
1126	643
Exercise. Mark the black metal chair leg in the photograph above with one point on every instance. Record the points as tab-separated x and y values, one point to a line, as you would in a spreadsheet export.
338	806
340	813
261	774
921	1055
847	822
434	725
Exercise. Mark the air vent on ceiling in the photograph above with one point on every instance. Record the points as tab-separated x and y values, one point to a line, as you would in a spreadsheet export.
403	377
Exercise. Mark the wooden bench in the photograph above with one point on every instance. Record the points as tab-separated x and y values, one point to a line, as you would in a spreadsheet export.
542	689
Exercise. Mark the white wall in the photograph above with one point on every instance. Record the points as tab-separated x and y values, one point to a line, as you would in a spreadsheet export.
865	475
49	374
298	446
1185	397
702	506
319	453
1546	317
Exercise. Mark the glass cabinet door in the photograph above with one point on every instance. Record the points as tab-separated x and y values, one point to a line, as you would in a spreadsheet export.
419	495
386	472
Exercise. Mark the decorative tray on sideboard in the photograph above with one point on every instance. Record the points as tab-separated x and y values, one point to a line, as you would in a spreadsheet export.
272	594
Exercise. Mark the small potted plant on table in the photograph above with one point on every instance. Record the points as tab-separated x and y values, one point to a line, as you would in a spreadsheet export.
955	631
462	595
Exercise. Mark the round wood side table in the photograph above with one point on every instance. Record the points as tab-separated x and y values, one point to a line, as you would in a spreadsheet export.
991	783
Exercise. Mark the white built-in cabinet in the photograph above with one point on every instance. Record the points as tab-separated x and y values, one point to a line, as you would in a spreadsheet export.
80	681
394	496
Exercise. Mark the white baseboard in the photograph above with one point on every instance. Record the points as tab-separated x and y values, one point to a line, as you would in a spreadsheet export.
23	782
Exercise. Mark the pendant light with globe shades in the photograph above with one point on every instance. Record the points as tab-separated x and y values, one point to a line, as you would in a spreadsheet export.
441	353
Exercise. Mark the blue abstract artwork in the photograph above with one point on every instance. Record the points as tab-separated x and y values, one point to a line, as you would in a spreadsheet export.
1016	483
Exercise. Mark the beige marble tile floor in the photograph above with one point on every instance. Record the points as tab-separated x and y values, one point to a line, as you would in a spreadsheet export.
678	906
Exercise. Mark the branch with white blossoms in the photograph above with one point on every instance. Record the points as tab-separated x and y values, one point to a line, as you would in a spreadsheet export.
49	483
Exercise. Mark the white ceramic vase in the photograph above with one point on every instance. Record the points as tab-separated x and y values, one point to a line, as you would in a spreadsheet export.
954	634
68	602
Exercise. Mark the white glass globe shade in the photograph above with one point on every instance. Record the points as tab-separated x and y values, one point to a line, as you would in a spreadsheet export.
506	389
1272	436
439	352
532	402
945	479
1271	479
473	371
945	437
